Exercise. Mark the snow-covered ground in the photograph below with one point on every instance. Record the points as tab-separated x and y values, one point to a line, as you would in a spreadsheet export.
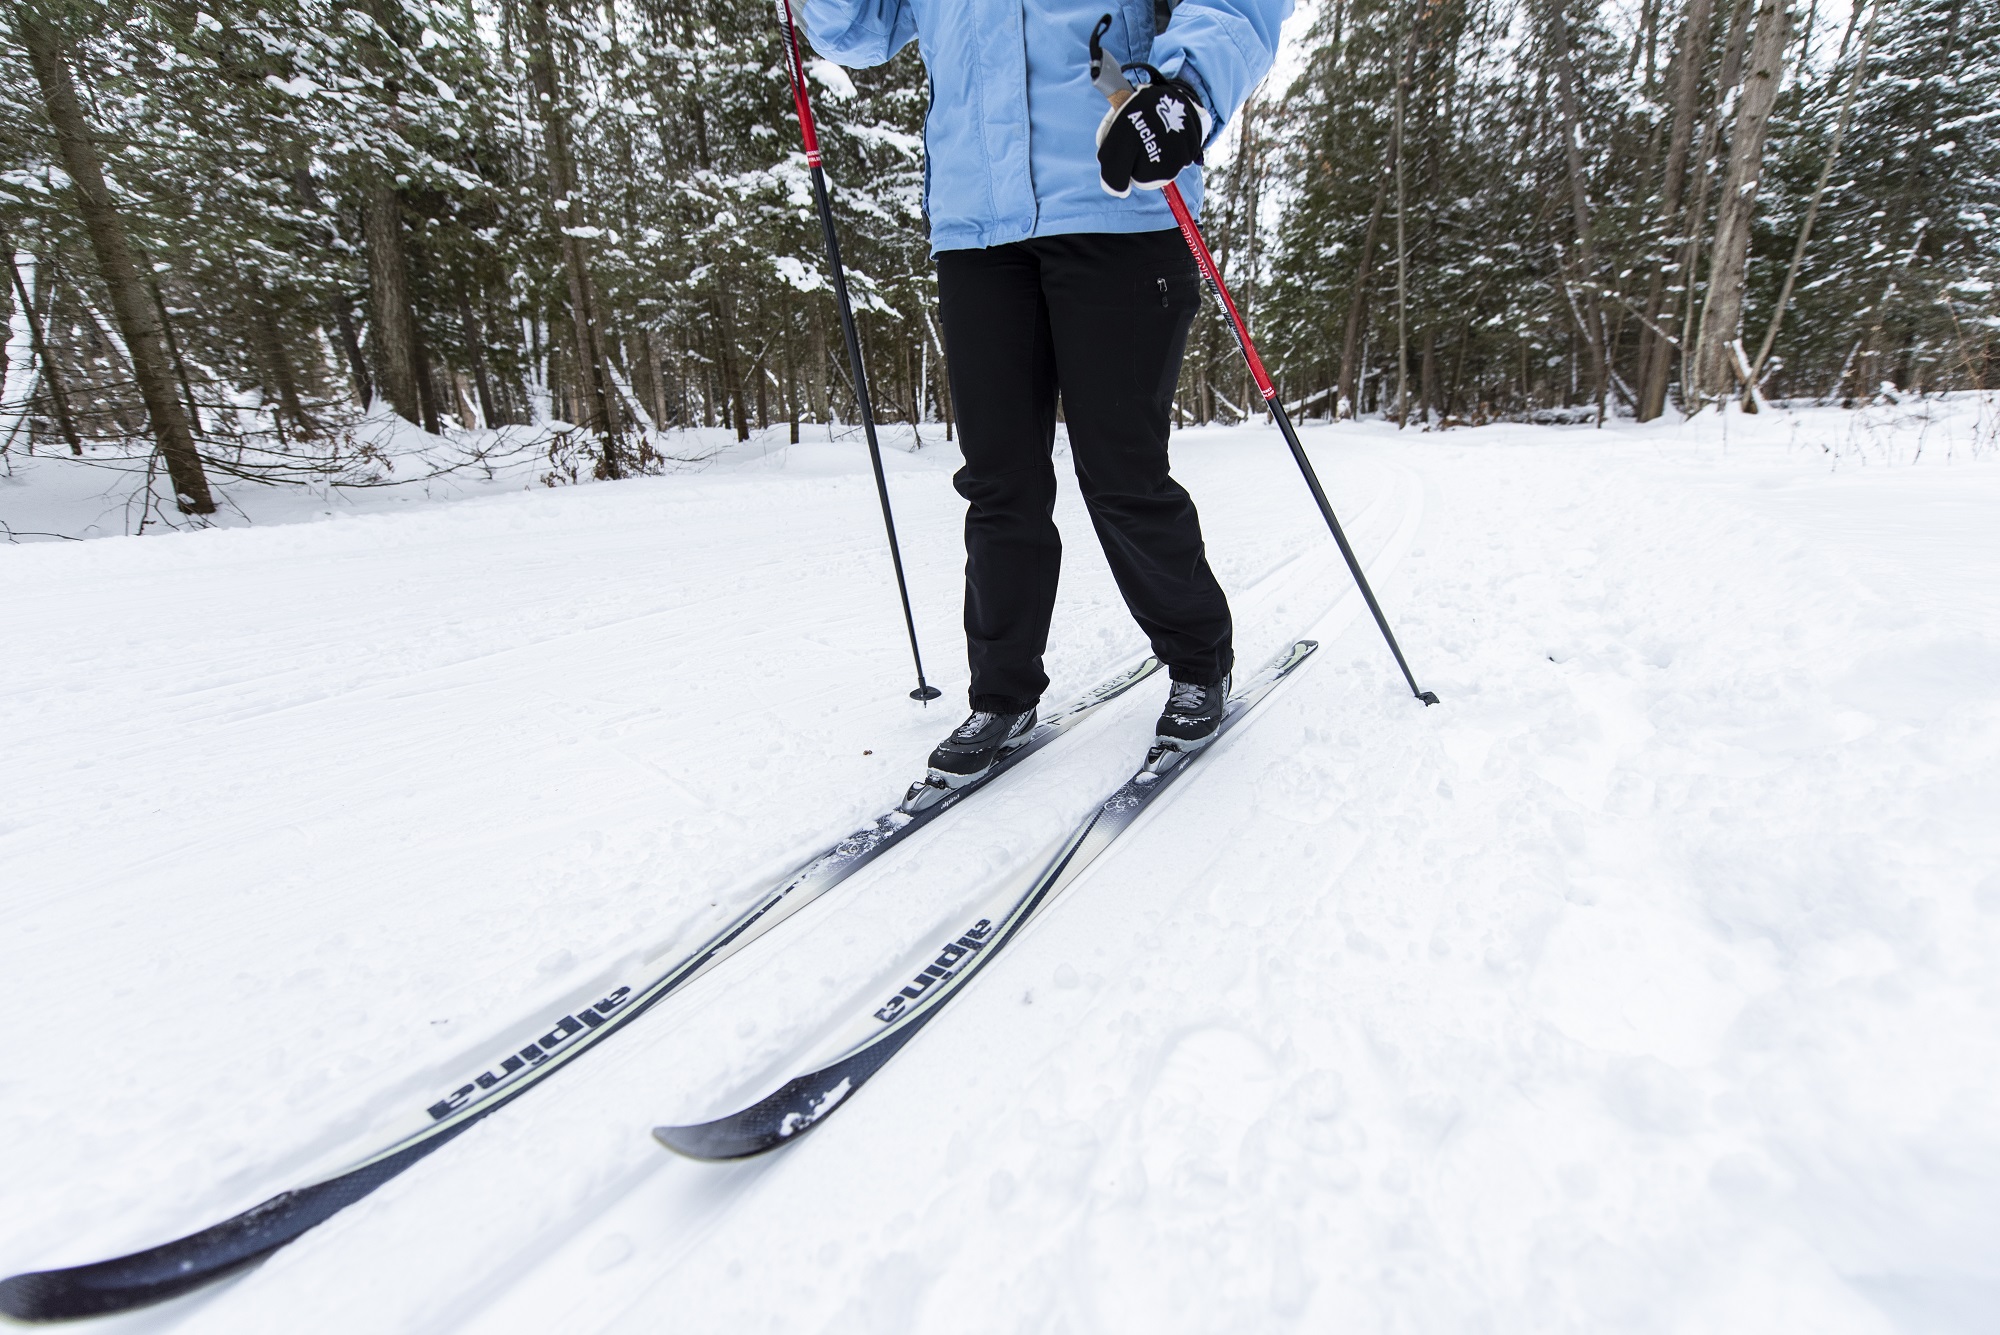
1648	983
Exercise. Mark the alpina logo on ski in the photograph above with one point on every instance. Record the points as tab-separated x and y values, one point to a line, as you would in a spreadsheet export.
939	969
533	1055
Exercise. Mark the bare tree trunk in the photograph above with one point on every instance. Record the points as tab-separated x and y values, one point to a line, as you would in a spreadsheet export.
728	364
489	408
1655	351
1251	175
458	399
1402	242
1350	338
1695	230
822	404
791	384
357	366
1457	372
1427	390
394	324
599	397
64	422
138	321
1579	195
647	386
943	381
280	363
1716	347
174	353
1812	209
427	395
100	339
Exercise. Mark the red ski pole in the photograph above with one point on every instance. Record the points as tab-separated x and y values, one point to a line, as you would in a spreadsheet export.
796	68
1111	81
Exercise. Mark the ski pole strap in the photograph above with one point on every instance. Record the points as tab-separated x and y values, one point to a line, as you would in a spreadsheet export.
1206	263
797	70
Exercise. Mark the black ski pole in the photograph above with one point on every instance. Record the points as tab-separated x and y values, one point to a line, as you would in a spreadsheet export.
1112	83
925	691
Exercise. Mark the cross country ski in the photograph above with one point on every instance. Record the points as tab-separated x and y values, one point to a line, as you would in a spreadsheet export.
803	1103
161	1272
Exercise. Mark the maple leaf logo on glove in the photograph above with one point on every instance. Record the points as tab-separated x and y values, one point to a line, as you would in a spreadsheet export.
1151	136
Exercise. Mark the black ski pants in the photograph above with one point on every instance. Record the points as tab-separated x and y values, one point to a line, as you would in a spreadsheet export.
1101	319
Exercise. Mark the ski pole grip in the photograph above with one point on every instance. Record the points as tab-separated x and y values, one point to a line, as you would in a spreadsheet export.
1108	79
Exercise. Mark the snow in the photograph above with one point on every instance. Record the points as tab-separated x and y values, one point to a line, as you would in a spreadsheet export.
1646	983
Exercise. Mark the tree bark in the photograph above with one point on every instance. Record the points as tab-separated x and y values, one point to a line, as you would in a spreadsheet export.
1812	208
100	341
350	344
427	395
138	319
1402	242
7	314
1427	390
489	409
1356	305
599	398
1722	312
1251	173
1655	352
1697	212
280	363
728	361
1580	212
791	388
40	345
822	397
647	385
394	326
174	354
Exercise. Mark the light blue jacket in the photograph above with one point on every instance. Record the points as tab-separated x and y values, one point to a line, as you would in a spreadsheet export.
1010	143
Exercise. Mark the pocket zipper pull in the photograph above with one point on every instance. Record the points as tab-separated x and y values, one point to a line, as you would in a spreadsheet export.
1163	291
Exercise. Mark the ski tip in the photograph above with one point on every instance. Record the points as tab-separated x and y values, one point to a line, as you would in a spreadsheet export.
787	1114
712	1142
104	1287
36	1296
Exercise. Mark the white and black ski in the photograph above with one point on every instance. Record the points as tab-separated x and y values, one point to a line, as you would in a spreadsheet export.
804	1102
161	1272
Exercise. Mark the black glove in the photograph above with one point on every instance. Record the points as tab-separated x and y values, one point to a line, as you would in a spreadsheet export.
1146	142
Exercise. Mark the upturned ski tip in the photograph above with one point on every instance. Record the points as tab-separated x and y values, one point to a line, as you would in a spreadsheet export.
783	1117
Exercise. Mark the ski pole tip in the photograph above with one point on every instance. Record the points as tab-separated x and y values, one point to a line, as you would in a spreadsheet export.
1428	697
926	693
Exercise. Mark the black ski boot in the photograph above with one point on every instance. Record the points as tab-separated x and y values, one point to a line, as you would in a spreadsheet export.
1192	715
975	744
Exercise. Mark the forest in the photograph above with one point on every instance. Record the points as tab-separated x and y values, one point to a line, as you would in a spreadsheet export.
234	229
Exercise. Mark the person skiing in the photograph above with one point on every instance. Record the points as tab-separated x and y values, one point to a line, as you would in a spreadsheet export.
1056	278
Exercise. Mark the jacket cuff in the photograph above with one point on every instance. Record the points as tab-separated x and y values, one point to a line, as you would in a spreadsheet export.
1182	67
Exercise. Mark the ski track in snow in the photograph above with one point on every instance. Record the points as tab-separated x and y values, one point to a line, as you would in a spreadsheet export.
1645	984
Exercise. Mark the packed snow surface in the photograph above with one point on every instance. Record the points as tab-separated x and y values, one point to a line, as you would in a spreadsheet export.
1648	983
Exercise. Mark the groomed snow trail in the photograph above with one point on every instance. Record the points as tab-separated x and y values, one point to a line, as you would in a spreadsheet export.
1645	984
